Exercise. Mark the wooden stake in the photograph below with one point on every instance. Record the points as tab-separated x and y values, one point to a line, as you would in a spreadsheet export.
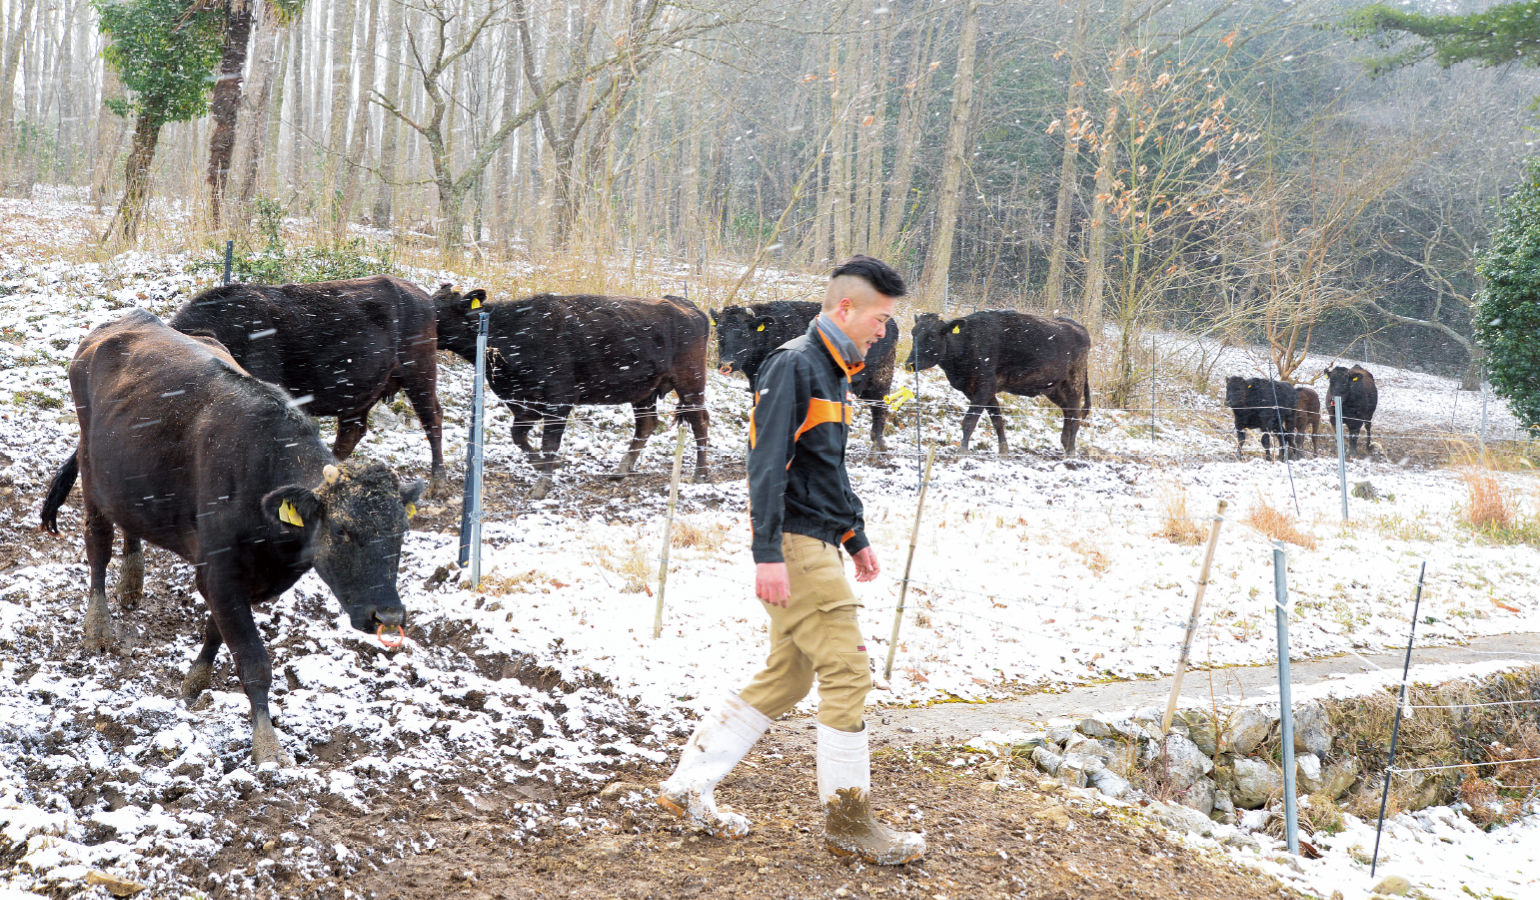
903	591
668	533
1192	622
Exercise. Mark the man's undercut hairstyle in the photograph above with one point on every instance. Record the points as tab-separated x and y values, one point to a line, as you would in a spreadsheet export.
874	272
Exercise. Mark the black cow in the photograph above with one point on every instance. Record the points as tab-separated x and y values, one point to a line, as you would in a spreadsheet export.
746	335
1266	405
549	353
342	344
1359	398
1307	413
997	350
182	448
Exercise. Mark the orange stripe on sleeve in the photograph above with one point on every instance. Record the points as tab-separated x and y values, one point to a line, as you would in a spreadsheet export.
820	412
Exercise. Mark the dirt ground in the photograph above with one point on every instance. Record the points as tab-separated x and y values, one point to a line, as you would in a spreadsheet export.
986	841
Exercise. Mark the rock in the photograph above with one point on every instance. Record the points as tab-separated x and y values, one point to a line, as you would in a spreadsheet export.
1073	771
1242	841
1254	782
1180	762
1095	728
1224	807
1110	783
116	885
1339	777
1245	728
1393	884
1131	731
1055	815
1058	734
1198	796
1088	748
1047	760
1312	731
1150	718
1174	815
617	788
1200	729
1307	773
1085	762
1365	490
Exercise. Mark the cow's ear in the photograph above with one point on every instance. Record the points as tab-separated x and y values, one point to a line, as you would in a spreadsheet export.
763	322
1356	377
957	326
410	494
293	507
713	314
473	301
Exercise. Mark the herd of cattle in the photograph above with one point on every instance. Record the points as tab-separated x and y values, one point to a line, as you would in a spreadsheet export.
1283	411
197	435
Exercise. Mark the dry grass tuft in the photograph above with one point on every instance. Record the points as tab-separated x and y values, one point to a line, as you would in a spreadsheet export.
1277	524
634	564
1177	525
1489	507
1095	560
497	585
707	538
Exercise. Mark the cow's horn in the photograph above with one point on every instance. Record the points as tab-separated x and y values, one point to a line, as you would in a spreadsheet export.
332	474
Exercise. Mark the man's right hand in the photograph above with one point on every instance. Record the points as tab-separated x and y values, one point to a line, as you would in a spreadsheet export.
771	583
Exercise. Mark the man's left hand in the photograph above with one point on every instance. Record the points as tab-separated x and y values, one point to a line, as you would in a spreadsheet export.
866	564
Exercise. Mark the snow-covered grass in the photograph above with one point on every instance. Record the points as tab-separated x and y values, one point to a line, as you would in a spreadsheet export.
1028	571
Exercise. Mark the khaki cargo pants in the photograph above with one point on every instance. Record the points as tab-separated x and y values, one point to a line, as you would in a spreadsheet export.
815	634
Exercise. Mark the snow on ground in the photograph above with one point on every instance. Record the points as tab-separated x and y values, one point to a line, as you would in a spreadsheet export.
1028	570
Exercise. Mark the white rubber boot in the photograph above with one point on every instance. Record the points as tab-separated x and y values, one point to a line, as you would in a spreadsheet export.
845	788
719	742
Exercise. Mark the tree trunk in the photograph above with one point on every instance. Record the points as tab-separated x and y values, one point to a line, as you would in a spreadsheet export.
110	128
1058	250
13	45
136	182
1096	229
297	60
225	105
267	73
337	121
907	138
359	145
939	254
390	132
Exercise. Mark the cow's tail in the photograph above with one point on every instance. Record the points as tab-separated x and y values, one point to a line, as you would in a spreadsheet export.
63	482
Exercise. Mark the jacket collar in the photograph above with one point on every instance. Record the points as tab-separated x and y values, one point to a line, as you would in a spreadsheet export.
834	341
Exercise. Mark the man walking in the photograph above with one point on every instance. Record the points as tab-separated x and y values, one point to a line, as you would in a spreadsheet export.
803	511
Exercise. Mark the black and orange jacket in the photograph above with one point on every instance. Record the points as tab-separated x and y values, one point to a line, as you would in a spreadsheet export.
797	432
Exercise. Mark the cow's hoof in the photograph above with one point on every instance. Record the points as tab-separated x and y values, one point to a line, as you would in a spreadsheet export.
198	679
99	636
266	749
128	599
438	486
541	488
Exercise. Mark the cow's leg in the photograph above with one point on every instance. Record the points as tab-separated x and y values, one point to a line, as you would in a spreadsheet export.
1352	429
552	426
998	418
131	573
1240	442
646	421
1368	430
1070	403
524	419
201	673
970	419
700	421
350	430
231	613
1267	449
421	391
98	623
879	424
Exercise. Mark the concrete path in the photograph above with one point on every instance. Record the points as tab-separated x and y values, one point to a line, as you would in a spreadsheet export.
957	722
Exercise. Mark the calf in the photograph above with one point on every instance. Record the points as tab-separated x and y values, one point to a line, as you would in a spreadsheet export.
1307	411
1266	405
344	345
1001	350
182	448
549	353
1359	397
746	335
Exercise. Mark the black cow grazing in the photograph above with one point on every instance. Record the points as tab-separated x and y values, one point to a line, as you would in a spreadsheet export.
549	353
747	334
1307	411
1266	405
1359	398
182	448
997	350
343	344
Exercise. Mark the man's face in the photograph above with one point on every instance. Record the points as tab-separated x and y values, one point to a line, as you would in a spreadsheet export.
864	322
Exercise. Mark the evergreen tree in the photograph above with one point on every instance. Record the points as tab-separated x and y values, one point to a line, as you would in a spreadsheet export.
1506	33
165	52
1507	315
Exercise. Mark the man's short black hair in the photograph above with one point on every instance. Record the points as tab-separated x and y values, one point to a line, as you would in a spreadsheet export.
876	273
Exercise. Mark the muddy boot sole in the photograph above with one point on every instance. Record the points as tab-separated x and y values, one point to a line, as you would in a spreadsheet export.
715	830
875	859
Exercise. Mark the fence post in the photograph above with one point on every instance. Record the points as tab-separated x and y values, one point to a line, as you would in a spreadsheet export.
470	510
1192	622
229	259
1395	729
668	532
903	590
1341	456
1285	701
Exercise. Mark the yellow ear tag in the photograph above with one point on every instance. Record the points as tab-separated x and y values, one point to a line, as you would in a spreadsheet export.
1355	377
411	510
760	328
288	515
475	303
957	329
